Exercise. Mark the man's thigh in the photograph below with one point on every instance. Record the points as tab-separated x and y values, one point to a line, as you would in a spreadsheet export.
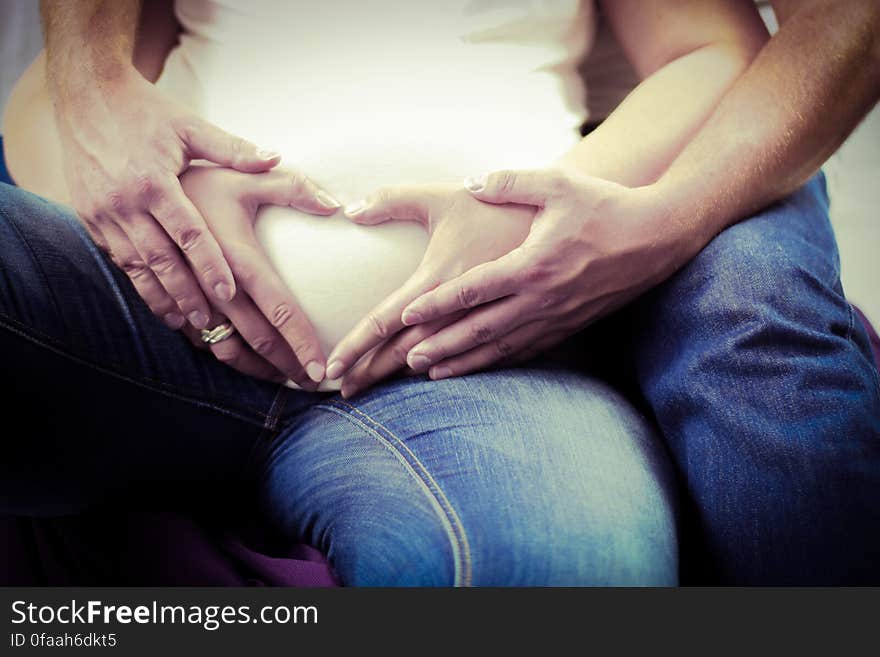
527	476
762	382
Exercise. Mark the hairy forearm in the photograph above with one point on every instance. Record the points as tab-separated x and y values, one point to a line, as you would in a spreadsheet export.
639	140
801	97
87	43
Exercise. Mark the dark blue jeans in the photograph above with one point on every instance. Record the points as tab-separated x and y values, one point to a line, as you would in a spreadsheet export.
762	382
538	475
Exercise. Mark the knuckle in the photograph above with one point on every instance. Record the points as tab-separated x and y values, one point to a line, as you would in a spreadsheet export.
296	182
189	238
378	326
468	297
263	345
534	273
398	353
228	354
505	181
559	183
135	269
503	348
160	262
115	202
144	185
281	315
482	333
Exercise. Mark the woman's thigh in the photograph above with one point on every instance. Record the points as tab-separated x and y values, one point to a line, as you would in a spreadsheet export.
533	476
101	396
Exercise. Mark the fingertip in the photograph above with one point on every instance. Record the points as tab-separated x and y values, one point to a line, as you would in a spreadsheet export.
476	184
268	156
224	291
411	317
354	209
328	202
335	369
316	371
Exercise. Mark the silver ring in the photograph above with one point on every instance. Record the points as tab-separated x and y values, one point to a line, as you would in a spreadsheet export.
218	333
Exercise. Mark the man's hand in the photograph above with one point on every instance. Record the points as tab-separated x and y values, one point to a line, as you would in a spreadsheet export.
274	336
593	246
124	145
464	233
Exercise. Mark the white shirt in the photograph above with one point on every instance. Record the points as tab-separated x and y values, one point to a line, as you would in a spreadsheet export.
370	93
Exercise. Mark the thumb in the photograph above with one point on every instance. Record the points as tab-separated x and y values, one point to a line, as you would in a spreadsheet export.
208	142
528	187
411	203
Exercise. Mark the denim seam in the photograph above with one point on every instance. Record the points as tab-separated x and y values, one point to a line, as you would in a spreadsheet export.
273	417
47	343
451	521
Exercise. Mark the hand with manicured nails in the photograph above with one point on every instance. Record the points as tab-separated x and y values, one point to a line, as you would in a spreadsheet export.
593	246
463	233
274	339
124	144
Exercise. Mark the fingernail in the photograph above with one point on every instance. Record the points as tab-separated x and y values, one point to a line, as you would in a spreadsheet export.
198	319
326	200
335	369
315	371
348	391
354	208
174	320
411	317
265	154
223	291
475	183
418	362
440	372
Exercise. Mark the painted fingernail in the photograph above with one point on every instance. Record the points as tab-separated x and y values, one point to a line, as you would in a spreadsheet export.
411	317
439	372
265	154
355	208
335	369
326	200
315	371
418	362
198	319
174	320
476	183
223	291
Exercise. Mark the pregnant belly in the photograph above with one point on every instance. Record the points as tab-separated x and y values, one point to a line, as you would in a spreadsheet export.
338	271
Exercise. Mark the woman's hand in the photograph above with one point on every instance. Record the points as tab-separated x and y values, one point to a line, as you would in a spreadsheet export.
464	233
594	246
264	312
123	145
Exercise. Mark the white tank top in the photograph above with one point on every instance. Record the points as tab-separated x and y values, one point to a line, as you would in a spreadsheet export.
359	94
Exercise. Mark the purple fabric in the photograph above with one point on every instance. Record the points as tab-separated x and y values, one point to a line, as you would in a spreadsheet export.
139	549
161	549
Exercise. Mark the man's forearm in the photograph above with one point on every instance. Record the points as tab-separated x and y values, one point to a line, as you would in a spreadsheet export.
87	40
801	97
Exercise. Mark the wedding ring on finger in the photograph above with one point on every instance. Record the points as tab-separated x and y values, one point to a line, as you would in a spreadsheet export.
218	333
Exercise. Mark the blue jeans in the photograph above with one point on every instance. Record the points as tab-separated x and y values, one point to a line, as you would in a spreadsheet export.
531	476
762	382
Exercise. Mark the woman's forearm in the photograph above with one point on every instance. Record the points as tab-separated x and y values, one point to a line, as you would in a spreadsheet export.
636	144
